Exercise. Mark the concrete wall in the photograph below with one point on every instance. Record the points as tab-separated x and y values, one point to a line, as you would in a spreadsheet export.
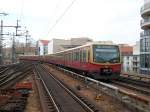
80	41
136	48
58	44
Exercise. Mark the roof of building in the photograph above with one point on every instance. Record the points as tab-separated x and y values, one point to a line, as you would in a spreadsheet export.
126	49
45	42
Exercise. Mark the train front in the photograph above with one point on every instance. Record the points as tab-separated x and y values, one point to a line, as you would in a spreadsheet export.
106	61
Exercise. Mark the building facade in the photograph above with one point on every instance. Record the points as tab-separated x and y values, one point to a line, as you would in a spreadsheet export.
126	49
57	45
131	63
42	47
145	39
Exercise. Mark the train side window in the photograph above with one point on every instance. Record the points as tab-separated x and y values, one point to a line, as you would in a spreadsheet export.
84	55
68	56
80	55
72	55
64	57
88	55
75	56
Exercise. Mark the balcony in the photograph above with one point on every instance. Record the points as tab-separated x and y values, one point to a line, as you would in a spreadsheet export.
145	33
145	9
145	23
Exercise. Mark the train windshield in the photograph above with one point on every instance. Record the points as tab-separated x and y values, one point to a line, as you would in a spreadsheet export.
106	53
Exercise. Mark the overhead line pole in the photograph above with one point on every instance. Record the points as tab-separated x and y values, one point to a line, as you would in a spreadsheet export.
13	41
1	37
13	49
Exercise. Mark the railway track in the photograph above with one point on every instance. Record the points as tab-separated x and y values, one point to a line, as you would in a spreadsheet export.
135	81
14	74
139	86
132	84
13	99
63	99
6	68
136	102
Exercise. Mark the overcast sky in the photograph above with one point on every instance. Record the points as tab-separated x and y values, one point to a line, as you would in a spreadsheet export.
116	20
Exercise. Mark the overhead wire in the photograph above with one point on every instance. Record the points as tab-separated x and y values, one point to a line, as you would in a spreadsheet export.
61	16
53	13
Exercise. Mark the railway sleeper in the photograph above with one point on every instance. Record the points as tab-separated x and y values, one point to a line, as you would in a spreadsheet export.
79	96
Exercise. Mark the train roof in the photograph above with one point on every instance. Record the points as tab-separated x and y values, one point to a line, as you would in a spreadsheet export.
88	44
27	55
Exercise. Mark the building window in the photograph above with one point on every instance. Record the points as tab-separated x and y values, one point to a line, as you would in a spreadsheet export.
145	60
45	49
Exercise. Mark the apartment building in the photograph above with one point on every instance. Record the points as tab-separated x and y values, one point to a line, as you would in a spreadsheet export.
131	62
42	47
145	39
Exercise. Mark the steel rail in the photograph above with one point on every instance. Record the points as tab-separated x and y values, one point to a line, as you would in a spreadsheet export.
134	81
48	92
128	98
70	92
77	105
138	77
135	87
12	77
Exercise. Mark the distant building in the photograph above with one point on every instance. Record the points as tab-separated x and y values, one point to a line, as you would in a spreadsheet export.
136	48
125	49
145	39
42	47
80	41
106	42
57	45
131	63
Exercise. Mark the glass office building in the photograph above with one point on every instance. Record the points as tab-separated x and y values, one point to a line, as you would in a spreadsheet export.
145	39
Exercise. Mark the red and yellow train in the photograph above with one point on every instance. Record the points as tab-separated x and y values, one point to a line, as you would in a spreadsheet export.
99	61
